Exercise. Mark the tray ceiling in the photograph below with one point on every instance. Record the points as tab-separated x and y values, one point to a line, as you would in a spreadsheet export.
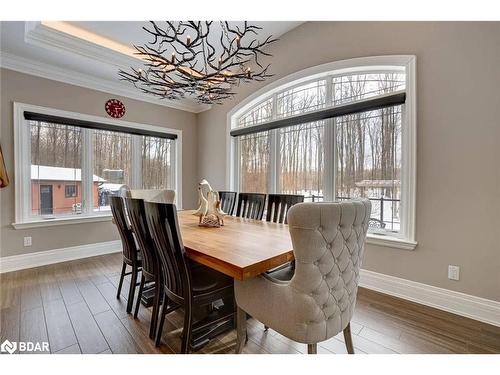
89	53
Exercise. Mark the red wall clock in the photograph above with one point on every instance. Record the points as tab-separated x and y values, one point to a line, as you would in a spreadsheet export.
115	108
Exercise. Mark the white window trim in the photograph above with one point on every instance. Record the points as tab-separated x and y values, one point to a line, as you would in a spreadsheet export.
409	134
22	169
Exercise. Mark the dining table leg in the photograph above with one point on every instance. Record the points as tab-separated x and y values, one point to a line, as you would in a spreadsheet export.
241	329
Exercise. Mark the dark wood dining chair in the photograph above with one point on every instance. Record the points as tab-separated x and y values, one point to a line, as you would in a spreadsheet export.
277	210
251	205
278	206
131	254
186	284
150	277
227	201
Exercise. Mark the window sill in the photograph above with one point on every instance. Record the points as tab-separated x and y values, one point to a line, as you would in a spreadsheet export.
62	221
389	241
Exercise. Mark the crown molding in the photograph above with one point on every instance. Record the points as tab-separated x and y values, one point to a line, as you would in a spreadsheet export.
39	69
41	35
44	36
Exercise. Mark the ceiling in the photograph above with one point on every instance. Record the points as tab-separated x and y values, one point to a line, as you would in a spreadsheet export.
90	53
130	32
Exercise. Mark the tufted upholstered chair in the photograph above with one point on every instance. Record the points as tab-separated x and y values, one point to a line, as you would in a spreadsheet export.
153	195
318	302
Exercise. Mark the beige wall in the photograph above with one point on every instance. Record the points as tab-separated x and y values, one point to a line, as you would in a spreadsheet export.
17	87
458	140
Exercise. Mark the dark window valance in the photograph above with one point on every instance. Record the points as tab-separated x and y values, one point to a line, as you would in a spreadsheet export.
379	102
94	125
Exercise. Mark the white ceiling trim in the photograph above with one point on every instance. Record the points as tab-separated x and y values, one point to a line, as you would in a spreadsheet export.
44	35
27	66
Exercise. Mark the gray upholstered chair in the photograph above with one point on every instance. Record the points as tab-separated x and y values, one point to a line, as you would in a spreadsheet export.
318	302
153	195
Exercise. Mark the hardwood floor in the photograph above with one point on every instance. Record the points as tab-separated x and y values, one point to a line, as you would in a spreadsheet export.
73	305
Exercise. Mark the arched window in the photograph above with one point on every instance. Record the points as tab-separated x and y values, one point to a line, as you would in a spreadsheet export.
334	132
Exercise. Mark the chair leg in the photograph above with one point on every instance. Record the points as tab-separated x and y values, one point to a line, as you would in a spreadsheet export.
122	276
162	320
312	349
241	329
139	296
188	327
156	309
348	339
131	292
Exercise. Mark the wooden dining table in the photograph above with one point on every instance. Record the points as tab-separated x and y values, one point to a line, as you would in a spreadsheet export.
241	248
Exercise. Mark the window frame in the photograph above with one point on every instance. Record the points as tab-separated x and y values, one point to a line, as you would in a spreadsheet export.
405	239
22	166
66	191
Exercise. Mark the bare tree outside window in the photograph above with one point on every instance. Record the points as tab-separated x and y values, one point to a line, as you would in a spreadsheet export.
369	147
259	114
55	160
367	150
369	162
59	188
301	146
302	159
351	88
112	155
301	99
157	163
254	162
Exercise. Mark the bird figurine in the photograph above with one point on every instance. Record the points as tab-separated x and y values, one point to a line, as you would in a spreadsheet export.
209	212
218	210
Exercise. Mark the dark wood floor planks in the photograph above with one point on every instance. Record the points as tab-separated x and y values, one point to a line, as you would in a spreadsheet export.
73	305
33	327
94	299
73	349
88	334
117	336
10	323
31	297
49	287
59	328
108	291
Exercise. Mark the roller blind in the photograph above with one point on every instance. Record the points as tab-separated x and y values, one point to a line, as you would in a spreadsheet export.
384	101
94	125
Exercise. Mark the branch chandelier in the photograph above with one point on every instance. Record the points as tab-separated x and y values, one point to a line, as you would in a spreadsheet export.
180	59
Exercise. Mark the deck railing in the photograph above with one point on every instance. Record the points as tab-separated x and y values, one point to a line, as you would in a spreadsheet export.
381	219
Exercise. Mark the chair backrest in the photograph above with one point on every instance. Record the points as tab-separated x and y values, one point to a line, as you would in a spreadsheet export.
137	216
164	228
328	242
153	195
129	247
123	192
227	201
278	206
251	205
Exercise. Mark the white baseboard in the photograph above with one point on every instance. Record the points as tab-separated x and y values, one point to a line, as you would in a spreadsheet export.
42	258
476	308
